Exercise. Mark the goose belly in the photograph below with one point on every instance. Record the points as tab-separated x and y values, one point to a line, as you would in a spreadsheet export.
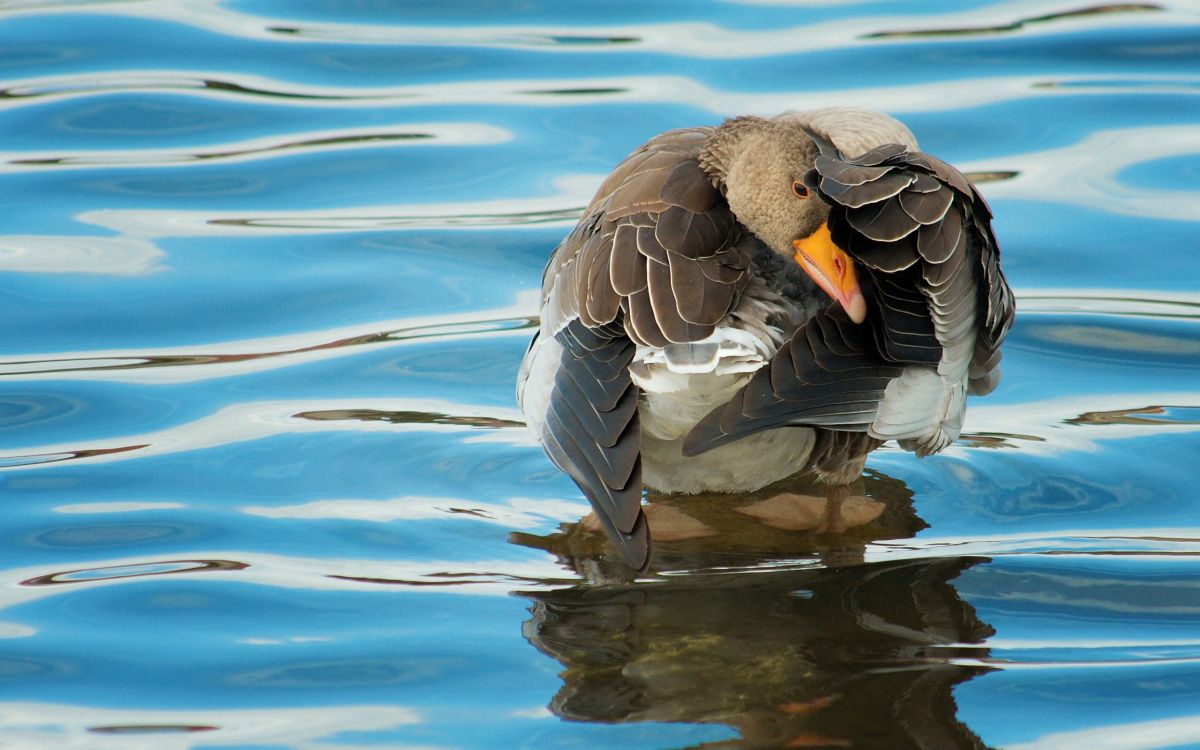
672	403
743	466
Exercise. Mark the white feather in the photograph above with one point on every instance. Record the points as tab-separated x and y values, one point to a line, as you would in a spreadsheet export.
682	383
921	408
535	381
741	466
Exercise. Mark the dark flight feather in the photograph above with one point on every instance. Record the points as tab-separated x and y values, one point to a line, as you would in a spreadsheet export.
655	261
593	434
922	237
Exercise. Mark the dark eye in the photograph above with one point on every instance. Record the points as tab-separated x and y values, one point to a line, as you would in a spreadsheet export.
800	189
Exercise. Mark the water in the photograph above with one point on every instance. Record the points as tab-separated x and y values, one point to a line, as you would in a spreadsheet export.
269	268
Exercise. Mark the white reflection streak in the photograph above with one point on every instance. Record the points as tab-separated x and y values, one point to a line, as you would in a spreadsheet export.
1141	735
273	352
1087	173
1078	644
944	95
245	422
1059	666
109	256
1164	542
115	507
497	577
51	726
517	513
572	194
685	39
1148	303
16	630
259	420
256	149
1047	419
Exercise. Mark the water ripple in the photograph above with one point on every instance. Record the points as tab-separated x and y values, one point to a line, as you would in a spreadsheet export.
264	148
246	85
1088	173
1088	13
271	267
244	422
139	729
139	570
677	37
496	214
109	256
662	90
1142	415
143	728
255	355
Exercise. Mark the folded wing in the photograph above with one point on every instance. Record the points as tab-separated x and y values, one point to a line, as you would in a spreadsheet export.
655	261
939	308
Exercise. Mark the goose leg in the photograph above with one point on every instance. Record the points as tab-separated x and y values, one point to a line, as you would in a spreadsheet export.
833	519
834	513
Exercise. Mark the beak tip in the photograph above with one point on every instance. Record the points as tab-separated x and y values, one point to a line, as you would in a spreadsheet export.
856	308
817	255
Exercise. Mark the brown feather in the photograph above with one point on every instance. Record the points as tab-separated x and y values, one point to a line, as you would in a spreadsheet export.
936	242
640	323
674	327
627	270
884	221
697	299
928	207
847	173
592	432
688	187
649	247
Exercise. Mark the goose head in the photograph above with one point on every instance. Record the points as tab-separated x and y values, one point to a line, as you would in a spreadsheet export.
760	166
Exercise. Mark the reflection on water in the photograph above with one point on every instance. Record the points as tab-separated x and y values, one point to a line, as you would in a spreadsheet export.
167	567
411	417
813	648
1143	415
150	728
268	270
774	525
364	139
862	656
1021	23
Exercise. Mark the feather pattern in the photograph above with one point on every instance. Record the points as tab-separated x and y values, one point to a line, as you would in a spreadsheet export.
656	225
830	374
657	262
662	303
592	433
939	309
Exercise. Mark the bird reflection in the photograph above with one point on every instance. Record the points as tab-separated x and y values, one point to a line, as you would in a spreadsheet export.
786	521
839	653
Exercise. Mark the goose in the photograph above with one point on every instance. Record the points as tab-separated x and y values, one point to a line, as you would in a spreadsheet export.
746	301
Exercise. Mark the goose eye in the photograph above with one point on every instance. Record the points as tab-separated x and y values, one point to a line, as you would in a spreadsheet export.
800	189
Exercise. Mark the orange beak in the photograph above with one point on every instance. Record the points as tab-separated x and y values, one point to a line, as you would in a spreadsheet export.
832	269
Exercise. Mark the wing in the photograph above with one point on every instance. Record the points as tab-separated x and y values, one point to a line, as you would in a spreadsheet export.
657	247
997	307
654	261
829	374
923	232
591	432
939	307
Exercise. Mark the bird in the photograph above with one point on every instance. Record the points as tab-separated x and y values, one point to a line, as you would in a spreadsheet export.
770	295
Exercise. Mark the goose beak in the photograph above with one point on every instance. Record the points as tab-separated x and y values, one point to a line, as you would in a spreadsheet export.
832	269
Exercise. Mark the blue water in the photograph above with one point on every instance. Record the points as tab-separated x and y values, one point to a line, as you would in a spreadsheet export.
266	273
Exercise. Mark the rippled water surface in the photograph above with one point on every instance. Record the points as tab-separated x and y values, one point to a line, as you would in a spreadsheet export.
269	268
